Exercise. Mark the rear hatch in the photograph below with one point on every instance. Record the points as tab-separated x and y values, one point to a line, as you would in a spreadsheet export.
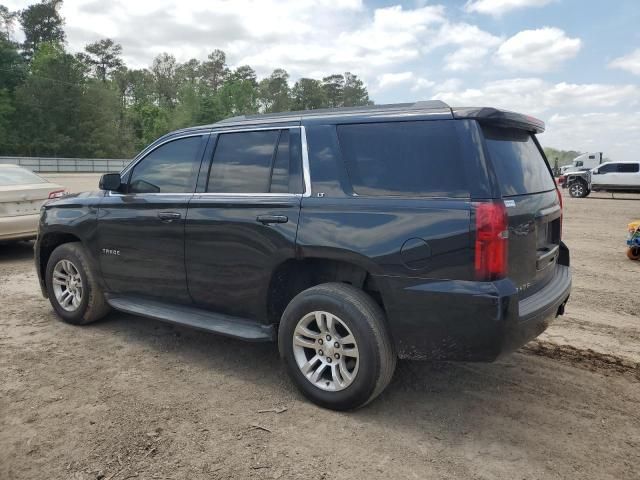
533	207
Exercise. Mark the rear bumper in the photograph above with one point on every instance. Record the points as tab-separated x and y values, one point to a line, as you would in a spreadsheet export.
469	321
21	227
535	313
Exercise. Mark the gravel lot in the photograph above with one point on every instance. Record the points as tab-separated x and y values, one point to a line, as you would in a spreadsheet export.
132	398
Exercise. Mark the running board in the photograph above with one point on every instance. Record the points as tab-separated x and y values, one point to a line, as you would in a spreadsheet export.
193	317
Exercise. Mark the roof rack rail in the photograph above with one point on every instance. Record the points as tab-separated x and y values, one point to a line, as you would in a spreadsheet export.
430	104
423	105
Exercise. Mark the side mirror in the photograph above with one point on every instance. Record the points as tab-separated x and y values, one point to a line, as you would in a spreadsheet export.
595	172
110	181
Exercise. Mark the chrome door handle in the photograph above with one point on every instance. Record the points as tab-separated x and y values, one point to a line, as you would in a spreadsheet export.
169	216
265	219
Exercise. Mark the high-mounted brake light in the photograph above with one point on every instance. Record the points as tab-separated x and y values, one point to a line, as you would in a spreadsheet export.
56	194
492	234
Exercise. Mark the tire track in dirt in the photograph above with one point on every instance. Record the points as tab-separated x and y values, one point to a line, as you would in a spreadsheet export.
583	358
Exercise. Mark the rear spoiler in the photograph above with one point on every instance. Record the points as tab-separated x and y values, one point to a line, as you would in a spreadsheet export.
500	118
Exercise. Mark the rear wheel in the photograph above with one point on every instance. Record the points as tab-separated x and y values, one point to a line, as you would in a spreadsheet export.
334	341
73	290
579	189
633	253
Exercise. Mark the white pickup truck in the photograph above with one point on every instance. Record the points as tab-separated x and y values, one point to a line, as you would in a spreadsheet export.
607	177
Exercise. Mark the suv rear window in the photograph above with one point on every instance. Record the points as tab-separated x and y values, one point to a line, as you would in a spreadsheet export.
517	161
404	159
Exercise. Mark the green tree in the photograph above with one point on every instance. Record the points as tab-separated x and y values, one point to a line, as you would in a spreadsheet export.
12	65
565	157
214	70
244	73
48	103
7	21
190	72
104	56
166	82
12	74
91	104
333	87
354	92
41	23
308	94
6	117
274	92
239	94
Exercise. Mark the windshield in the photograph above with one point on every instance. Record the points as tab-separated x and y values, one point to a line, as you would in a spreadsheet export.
18	176
518	163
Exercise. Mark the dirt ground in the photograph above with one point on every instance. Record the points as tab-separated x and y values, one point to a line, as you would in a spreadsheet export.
132	398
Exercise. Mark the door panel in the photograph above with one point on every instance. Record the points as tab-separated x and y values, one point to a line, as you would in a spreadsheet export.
230	253
139	252
605	176
141	230
244	222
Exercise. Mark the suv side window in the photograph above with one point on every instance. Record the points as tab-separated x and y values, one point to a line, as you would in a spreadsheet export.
256	162
404	159
628	167
170	168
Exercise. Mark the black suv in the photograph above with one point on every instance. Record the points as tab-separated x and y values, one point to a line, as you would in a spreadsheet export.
352	237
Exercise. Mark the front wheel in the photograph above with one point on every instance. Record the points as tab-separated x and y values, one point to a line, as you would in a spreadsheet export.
633	253
335	343
72	287
578	190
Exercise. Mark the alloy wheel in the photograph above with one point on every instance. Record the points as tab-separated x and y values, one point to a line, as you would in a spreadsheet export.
577	190
67	285
326	351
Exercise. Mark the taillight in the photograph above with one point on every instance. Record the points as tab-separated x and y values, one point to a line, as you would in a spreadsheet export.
56	194
492	233
561	209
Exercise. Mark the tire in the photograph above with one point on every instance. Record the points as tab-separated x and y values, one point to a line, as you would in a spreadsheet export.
633	253
70	258
354	315
579	189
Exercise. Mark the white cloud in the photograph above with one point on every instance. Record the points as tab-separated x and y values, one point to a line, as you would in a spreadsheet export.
306	37
630	62
584	117
464	58
402	80
537	96
473	45
421	84
500	7
387	80
616	134
537	50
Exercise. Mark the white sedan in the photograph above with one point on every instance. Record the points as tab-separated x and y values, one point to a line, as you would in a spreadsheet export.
22	193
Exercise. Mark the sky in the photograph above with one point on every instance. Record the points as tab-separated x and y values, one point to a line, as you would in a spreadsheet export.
573	63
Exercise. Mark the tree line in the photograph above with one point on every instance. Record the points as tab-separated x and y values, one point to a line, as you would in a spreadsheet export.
564	157
90	104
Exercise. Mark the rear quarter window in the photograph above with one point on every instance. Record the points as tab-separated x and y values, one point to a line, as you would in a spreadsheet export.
415	159
517	162
628	168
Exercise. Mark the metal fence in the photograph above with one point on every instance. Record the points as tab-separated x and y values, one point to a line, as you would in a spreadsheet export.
79	165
